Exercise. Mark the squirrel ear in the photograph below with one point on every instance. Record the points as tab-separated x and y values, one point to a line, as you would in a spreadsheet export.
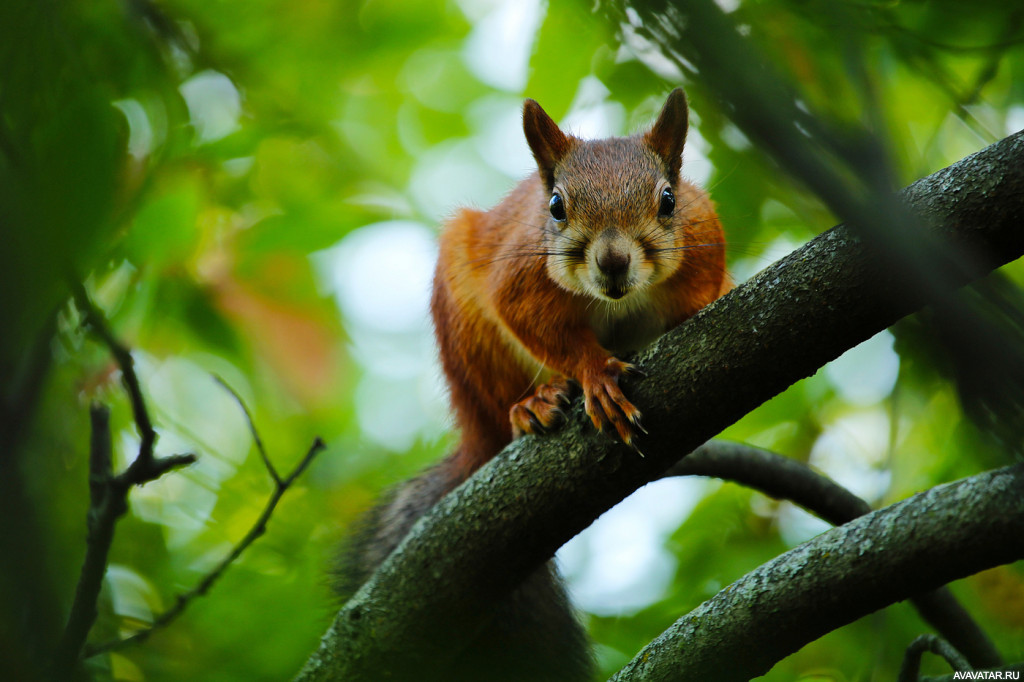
547	142
668	135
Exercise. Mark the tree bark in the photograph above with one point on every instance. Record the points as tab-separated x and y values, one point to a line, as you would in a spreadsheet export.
937	536
432	594
784	478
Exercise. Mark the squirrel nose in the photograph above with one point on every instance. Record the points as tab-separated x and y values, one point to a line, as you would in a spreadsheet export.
613	263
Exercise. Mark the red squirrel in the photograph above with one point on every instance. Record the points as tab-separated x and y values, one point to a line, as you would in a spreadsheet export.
595	255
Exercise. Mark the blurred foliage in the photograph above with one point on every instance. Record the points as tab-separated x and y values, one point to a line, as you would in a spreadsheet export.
195	163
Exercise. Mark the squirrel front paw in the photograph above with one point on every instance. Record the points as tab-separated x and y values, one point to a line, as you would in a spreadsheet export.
606	404
542	411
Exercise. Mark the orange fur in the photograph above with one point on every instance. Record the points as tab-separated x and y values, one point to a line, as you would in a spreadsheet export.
521	301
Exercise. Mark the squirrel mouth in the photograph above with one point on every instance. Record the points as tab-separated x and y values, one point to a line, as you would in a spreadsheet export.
615	293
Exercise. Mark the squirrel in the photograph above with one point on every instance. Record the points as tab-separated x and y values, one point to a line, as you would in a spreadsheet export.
600	251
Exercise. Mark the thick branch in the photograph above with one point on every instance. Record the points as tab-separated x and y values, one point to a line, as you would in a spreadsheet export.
943	534
787	479
774	475
433	593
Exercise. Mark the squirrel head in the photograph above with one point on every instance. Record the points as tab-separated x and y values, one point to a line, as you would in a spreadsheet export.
611	222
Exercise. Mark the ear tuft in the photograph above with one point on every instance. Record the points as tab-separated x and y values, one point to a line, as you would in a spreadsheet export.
668	135
547	142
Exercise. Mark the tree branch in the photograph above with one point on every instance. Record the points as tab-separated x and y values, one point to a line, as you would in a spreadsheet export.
108	494
911	667
100	523
108	500
252	429
123	356
779	477
281	486
787	479
477	544
932	538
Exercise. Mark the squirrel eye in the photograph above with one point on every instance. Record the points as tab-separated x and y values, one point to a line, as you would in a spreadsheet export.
557	208
668	203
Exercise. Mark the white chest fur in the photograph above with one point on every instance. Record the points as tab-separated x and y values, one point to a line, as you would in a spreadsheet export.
627	325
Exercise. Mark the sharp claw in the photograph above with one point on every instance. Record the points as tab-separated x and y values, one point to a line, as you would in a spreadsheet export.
633	369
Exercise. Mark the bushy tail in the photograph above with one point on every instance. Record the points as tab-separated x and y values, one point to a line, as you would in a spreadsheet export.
531	636
383	528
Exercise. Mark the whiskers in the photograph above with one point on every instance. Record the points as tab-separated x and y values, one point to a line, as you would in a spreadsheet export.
506	254
548	242
657	240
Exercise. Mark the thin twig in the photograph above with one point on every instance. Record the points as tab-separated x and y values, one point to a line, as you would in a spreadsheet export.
784	478
108	494
912	658
252	428
103	509
259	528
108	501
122	355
